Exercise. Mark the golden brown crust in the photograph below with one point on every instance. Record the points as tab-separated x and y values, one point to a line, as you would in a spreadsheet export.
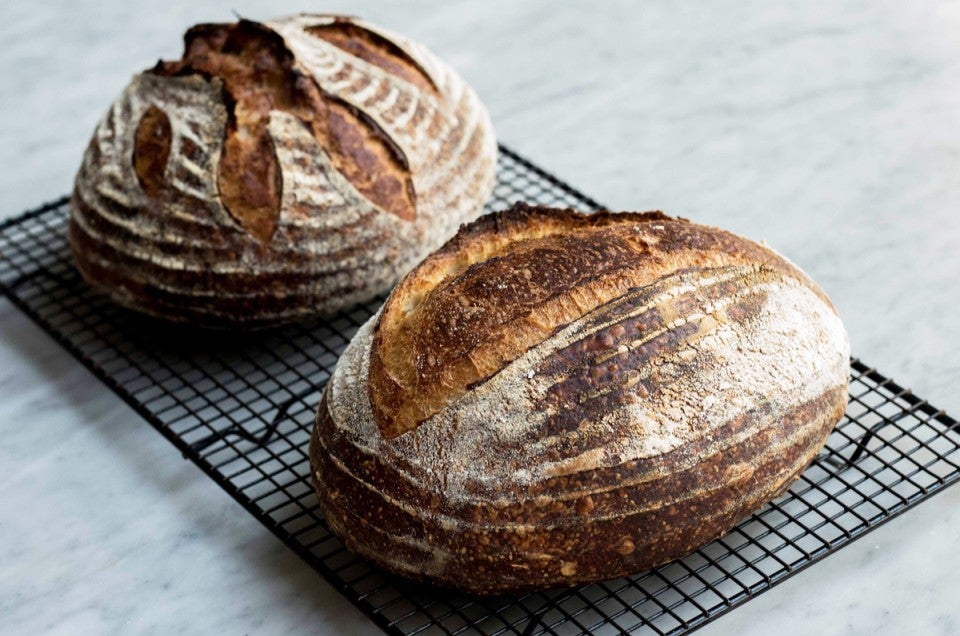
633	430
259	76
373	48
365	156
151	150
623	520
273	173
510	279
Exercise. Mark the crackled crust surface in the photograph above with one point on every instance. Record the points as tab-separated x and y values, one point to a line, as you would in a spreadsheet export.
647	384
278	170
510	280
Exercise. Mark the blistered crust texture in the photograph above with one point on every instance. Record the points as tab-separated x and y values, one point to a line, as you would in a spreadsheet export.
649	418
278	171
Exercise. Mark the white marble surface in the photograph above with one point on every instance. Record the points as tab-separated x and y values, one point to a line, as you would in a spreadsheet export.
830	129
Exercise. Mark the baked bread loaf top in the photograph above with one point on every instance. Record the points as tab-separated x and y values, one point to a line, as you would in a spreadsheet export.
278	170
553	398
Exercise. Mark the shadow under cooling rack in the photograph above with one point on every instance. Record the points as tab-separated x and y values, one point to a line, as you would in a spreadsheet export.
241	408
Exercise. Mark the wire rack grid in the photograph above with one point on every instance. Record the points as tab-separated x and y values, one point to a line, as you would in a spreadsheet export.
241	408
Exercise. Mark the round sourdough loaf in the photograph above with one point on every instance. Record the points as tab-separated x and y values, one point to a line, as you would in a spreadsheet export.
553	398
278	170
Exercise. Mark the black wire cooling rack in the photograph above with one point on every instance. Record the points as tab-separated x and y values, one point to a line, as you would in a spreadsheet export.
241	407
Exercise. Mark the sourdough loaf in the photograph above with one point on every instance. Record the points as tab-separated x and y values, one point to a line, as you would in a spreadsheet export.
554	398
278	170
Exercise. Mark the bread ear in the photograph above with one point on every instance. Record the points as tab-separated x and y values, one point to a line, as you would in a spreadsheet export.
510	281
616	391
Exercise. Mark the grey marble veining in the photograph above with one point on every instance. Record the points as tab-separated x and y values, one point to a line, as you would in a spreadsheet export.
829	129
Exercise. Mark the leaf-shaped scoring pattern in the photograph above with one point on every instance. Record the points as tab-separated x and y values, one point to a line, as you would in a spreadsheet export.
278	170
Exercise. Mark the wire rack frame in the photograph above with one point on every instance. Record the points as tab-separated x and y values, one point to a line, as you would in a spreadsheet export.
241	409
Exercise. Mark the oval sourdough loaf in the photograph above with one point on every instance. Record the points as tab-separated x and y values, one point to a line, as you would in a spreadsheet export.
553	398
278	170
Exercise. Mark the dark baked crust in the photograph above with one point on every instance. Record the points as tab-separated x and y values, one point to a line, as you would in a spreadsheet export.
682	378
509	279
375	49
277	171
585	536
